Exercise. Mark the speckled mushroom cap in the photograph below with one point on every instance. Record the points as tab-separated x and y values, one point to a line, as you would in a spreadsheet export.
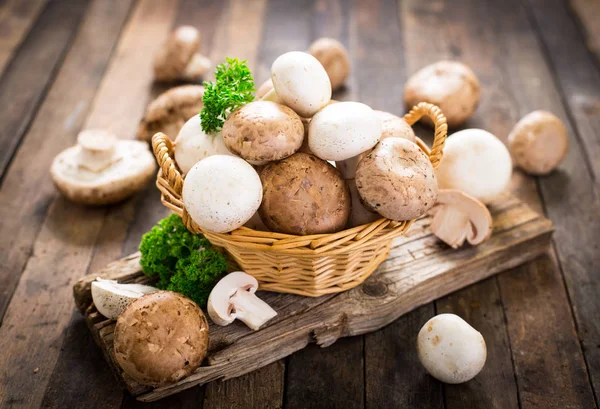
161	338
304	195
263	131
178	57
450	85
170	110
397	180
393	126
538	142
334	58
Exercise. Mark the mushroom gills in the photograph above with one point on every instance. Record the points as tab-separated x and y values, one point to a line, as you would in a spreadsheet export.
250	309
111	298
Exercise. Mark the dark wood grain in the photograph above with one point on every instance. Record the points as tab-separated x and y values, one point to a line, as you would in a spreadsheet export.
27	77
588	13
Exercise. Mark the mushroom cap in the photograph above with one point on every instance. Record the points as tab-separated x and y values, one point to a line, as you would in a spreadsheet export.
264	88
301	82
538	142
263	131
304	195
343	130
477	163
161	338
129	169
174	55
193	144
219	305
334	57
457	216
450	349
397	180
111	298
170	110
221	193
450	85
393	126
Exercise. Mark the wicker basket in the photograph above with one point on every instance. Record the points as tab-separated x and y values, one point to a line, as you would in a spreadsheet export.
307	265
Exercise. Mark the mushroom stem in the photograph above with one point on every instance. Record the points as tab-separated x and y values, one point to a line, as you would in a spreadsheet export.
449	226
273	96
97	149
250	309
348	167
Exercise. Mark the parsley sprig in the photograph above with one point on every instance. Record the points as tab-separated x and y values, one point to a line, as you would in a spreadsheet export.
233	87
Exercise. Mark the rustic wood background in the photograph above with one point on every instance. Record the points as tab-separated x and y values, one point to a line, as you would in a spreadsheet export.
67	65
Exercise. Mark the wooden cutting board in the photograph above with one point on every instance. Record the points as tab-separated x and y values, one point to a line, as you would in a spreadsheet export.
418	270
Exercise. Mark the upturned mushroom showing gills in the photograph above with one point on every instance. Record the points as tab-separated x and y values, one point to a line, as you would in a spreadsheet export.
111	298
234	298
193	144
161	338
179	59
221	193
304	195
457	217
397	180
300	82
333	56
101	169
263	131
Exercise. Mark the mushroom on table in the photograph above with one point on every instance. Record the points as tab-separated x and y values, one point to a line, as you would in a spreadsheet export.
334	57
111	298
179	59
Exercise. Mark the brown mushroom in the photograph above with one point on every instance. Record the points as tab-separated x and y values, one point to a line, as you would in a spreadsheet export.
170	111
333	56
457	216
179	59
538	142
263	131
161	338
304	195
393	126
397	180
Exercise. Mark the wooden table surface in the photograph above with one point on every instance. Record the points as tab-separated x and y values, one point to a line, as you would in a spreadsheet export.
69	65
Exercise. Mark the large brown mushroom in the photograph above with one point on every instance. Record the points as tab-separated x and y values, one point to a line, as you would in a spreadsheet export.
333	56
397	180
304	195
161	338
179	59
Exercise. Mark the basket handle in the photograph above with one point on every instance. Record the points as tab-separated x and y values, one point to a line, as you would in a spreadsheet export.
163	151
441	128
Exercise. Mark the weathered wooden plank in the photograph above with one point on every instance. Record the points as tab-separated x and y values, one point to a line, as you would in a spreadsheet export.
27	77
16	18
588	13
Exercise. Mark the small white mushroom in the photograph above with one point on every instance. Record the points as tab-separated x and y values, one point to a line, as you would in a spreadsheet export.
300	82
221	193
111	298
193	144
334	57
179	59
234	298
477	163
457	216
450	349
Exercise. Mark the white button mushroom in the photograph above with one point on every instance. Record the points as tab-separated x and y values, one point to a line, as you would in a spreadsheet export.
300	82
193	144
179	59
477	163
111	298
450	349
457	216
234	298
538	142
101	169
333	56
221	193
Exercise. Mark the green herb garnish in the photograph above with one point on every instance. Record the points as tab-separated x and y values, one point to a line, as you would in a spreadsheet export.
233	87
184	262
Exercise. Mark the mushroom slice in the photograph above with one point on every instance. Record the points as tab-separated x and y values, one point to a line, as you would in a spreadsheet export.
111	298
234	298
170	110
179	59
458	216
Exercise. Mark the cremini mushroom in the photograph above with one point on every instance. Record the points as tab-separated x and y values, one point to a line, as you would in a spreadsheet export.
161	338
457	217
263	131
397	180
221	193
170	110
300	82
101	169
193	144
538	142
111	298
234	298
303	195
450	85
393	126
477	163
179	59
450	349
334	57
